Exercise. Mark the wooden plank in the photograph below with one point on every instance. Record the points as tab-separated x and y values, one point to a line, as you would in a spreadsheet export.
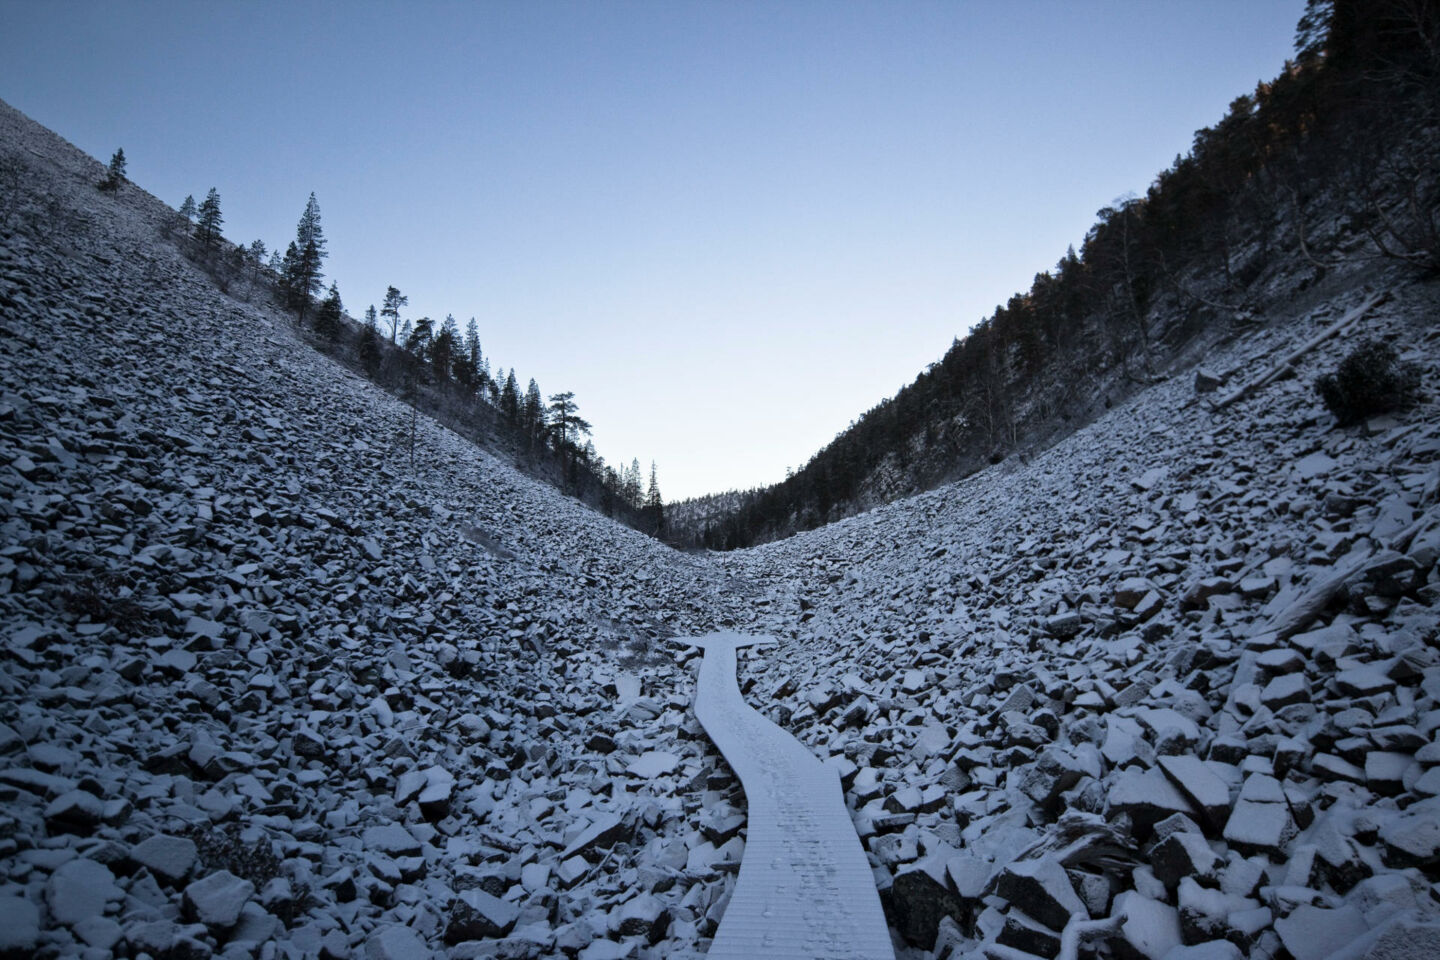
805	890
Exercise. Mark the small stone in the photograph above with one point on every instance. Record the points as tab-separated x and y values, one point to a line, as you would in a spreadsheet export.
1148	796
79	890
20	930
216	900
1183	854
1284	690
395	942
1207	381
919	901
1412	840
434	799
1260	821
602	834
1151	928
1063	626
1041	889
77	812
476	915
653	764
1028	936
1131	591
169	858
1209	794
1313	933
391	839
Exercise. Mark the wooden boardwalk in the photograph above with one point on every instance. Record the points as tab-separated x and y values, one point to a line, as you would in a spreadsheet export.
805	890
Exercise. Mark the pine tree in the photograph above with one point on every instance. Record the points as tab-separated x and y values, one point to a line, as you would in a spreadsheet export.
510	398
305	276
470	358
369	349
631	488
532	412
566	420
390	309
370	316
327	317
115	172
286	274
418	342
207	227
184	217
654	505
445	348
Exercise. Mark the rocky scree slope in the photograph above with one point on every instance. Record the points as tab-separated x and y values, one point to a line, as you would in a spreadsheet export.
1181	669
269	691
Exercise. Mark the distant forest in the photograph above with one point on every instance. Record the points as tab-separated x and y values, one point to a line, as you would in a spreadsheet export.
1345	134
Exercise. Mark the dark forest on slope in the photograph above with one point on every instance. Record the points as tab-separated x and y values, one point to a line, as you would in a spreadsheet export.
1328	167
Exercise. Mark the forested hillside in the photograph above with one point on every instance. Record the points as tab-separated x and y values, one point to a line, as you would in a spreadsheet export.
429	365
1309	183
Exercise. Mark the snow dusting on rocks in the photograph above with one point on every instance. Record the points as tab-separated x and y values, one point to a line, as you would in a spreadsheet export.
1186	657
269	690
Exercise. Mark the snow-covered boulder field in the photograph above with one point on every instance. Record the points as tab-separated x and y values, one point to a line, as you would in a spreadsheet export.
268	689
1181	669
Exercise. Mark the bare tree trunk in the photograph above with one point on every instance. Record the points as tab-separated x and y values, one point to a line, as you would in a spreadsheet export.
1291	358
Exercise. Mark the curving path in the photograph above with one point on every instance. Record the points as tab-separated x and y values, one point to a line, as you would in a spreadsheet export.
805	890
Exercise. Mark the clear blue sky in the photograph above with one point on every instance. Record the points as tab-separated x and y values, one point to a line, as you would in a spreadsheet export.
729	227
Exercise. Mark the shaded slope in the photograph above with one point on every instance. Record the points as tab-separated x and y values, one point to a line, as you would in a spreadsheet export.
1317	176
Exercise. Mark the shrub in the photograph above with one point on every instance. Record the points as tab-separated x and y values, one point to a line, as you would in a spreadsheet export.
1369	381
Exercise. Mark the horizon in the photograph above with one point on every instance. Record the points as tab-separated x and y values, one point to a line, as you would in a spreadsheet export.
793	192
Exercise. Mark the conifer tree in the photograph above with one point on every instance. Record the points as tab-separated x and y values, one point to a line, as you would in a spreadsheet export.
654	505
565	419
255	256
631	487
445	348
532	412
419	340
370	316
305	276
286	274
470	358
115	172
207	226
327	317
184	217
390	309
510	398
369	349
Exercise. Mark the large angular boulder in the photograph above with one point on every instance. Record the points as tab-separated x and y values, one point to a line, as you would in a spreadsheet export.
1041	890
919	898
476	915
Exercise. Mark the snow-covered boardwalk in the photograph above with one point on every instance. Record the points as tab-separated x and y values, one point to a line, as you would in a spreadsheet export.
805	888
